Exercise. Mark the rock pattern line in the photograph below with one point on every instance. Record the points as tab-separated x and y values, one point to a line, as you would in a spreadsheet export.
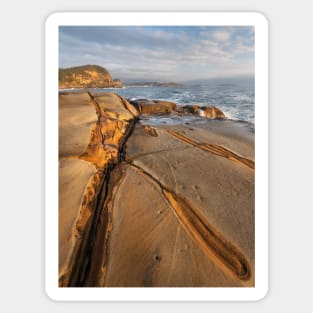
209	239
215	149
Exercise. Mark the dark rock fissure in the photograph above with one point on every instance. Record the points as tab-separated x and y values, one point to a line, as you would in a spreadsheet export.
82	266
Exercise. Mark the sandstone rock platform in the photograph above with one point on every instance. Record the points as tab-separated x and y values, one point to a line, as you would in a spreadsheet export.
152	204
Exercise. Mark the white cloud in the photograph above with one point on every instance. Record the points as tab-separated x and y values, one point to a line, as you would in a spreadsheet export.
160	54
221	35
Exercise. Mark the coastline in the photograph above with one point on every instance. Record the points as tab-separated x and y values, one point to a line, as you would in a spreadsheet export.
189	190
236	100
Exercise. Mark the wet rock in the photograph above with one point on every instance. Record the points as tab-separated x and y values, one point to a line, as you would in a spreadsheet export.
209	112
146	106
190	109
169	104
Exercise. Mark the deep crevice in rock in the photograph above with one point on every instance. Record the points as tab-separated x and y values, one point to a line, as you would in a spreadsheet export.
82	272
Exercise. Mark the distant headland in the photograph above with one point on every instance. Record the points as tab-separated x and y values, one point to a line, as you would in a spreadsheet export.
95	76
87	76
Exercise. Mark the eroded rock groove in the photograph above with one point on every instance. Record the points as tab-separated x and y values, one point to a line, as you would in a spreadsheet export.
209	239
215	149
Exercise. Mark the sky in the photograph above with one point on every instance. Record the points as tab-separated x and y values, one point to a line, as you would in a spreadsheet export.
161	53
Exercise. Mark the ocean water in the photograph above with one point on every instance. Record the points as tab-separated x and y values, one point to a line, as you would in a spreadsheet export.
235	97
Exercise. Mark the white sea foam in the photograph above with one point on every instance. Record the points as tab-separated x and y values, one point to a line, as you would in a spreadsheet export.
201	113
236	100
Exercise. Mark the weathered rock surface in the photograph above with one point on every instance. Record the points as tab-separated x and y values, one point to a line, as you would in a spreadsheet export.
169	183
149	246
209	112
154	206
75	178
75	129
145	106
189	109
91	135
87	76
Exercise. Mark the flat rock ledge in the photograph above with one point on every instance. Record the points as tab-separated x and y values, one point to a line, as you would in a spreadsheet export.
153	206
